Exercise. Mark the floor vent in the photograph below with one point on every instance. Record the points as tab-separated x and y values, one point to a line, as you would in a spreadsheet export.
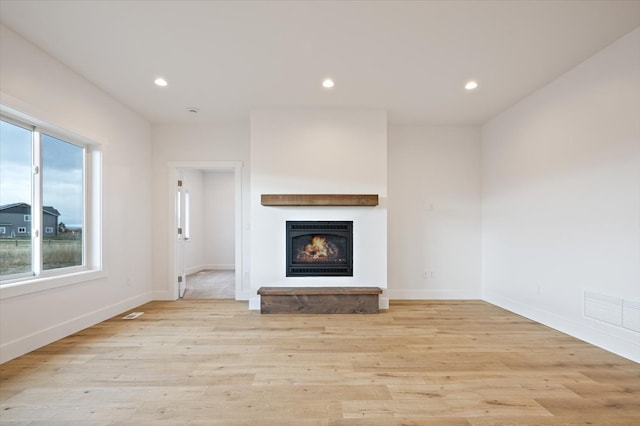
613	310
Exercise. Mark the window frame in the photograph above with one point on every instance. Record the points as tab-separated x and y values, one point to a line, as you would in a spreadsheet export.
39	279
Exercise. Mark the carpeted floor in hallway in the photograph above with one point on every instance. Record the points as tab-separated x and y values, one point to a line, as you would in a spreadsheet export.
209	284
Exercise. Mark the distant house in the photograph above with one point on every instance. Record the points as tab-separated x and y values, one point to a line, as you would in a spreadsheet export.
15	220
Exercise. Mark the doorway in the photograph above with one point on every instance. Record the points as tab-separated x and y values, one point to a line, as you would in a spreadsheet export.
206	232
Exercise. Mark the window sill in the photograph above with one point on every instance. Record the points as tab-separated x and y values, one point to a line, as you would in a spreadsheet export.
35	285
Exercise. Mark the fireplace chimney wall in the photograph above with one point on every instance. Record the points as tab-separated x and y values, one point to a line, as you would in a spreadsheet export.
318	151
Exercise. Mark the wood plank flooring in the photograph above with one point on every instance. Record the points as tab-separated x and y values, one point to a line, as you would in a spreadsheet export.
213	362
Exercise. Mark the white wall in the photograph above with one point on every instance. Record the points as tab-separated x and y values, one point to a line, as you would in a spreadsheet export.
191	144
434	212
39	85
211	244
219	221
561	197
318	151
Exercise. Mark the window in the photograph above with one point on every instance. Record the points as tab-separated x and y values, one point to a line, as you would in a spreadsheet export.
3	230
62	198
49	190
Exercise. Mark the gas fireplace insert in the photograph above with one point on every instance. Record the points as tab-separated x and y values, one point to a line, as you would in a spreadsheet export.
319	248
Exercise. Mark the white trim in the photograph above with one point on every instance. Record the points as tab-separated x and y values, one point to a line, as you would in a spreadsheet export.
239	223
205	165
92	232
210	267
174	172
92	195
437	294
254	303
162	295
37	202
34	285
25	344
383	302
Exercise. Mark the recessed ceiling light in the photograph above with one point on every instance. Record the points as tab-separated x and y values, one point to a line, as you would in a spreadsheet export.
327	83
471	85
160	82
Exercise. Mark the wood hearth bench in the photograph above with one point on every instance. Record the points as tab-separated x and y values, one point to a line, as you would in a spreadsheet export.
319	300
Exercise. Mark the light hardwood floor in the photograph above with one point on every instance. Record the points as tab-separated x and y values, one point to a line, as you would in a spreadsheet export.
213	362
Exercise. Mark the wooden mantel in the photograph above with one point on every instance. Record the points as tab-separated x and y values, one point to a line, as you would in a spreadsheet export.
319	199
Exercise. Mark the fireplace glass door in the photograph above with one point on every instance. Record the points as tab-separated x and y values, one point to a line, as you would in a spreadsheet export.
319	248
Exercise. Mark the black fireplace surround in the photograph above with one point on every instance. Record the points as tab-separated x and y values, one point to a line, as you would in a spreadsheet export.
319	248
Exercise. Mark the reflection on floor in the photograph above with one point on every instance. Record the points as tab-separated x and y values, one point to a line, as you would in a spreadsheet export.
211	285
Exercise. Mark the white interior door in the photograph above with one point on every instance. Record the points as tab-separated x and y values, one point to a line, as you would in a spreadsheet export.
182	233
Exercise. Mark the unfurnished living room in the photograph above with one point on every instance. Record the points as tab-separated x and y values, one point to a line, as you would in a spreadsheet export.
320	212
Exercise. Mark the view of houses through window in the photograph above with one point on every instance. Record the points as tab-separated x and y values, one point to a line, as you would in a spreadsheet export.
39	171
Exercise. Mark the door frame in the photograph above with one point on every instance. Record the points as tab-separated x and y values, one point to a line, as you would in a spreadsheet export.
174	173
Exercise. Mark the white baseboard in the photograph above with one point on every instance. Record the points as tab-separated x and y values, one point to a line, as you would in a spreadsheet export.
419	294
162	295
628	348
193	269
26	344
210	267
242	296
383	303
254	303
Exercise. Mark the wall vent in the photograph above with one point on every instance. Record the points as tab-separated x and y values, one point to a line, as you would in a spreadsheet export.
613	310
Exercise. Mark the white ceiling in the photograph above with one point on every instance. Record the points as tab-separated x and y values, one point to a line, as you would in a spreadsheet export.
410	58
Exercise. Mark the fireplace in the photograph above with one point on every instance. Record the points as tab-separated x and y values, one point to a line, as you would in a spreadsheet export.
319	248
